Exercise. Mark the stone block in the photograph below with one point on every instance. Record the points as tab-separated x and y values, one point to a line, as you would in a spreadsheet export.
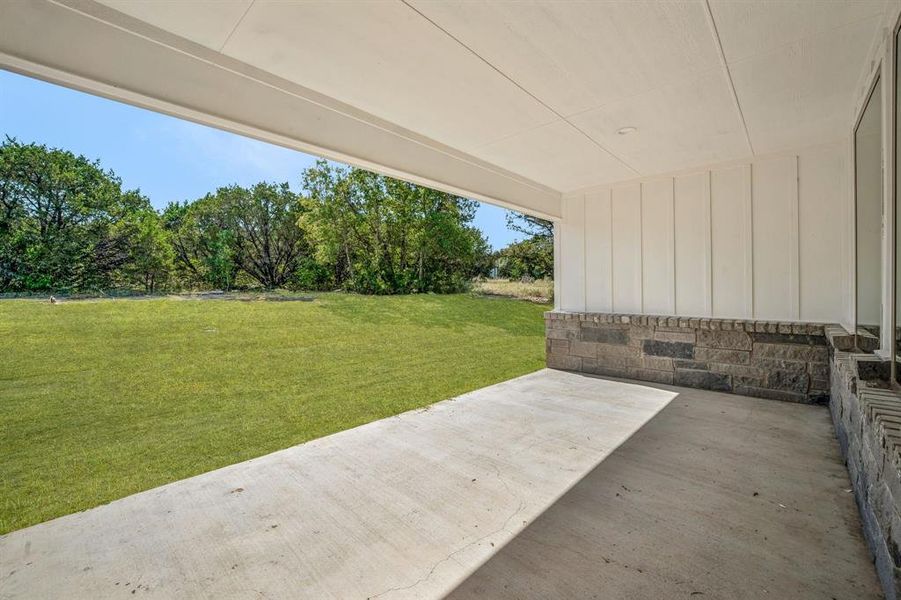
819	385
818	370
562	334
605	335
706	380
618	361
732	340
791	352
660	363
690	364
669	328
788	338
613	351
559	346
788	381
839	338
771	394
715	355
597	368
670	349
562	324
751	372
687	337
637	334
874	370
564	362
583	349
772	364
652	375
758	381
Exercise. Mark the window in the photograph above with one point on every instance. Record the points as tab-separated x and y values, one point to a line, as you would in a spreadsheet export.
868	212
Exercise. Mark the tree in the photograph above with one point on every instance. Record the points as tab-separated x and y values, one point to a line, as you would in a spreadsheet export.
235	229
268	240
529	225
151	256
379	235
202	242
61	220
532	257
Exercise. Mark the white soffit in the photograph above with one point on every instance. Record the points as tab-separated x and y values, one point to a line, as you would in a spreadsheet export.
748	28
386	59
207	22
539	89
576	56
795	66
557	154
683	124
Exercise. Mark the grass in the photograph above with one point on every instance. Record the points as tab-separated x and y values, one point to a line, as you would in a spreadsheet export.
102	399
540	290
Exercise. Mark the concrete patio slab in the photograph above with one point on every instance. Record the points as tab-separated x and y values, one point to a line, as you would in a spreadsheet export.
719	496
405	507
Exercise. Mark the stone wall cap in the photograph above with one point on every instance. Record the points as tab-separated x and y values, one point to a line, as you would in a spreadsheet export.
687	322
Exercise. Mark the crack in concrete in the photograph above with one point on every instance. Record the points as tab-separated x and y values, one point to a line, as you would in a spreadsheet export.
475	542
450	556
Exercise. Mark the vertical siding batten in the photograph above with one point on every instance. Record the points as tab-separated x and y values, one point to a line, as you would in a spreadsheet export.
795	265
691	243
626	248
598	265
749	243
774	241
760	239
708	298
657	247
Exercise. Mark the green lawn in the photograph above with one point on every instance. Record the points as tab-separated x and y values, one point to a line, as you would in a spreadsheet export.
101	399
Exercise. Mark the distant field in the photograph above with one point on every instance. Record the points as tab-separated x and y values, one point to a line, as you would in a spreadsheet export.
540	290
101	399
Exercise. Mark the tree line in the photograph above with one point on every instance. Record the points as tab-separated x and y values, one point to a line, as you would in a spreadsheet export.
68	225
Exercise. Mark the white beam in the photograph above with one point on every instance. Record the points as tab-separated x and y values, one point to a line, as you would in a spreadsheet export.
90	47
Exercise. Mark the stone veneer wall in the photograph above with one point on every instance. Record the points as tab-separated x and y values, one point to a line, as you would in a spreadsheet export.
782	361
867	420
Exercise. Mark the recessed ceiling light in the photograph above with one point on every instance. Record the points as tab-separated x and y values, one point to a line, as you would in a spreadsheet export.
626	130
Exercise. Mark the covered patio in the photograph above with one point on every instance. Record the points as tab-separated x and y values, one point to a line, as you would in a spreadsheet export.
721	177
567	485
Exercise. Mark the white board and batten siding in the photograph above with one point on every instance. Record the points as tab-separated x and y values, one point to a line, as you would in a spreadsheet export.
762	239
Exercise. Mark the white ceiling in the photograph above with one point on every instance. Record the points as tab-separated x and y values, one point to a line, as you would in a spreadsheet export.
541	88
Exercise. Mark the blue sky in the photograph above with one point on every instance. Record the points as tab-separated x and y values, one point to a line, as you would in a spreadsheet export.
166	158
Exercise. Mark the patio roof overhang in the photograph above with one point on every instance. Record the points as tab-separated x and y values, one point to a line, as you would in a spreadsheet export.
515	104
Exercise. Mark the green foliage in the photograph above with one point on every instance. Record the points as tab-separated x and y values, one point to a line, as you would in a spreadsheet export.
378	235
534	227
150	253
236	230
65	223
532	257
201	242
